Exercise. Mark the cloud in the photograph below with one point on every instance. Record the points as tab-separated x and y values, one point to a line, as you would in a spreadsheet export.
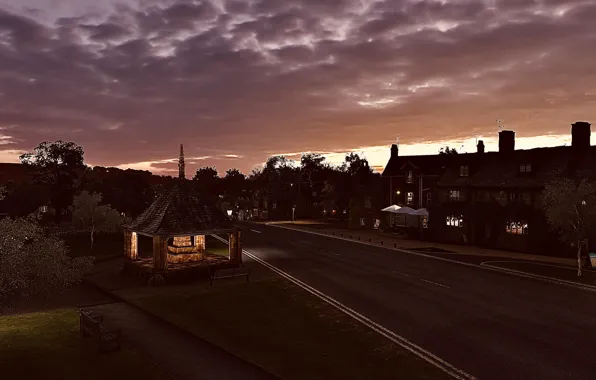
235	79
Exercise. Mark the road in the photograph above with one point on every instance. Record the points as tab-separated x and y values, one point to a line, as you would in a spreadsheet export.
491	325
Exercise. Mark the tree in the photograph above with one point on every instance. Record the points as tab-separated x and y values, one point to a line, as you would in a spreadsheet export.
207	181
58	165
33	263
234	183
87	212
570	208
447	151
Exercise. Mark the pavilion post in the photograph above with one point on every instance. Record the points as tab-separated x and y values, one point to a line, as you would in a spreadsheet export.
160	253
131	246
235	247
200	243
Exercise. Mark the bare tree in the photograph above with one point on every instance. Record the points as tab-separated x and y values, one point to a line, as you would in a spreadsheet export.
87	212
570	208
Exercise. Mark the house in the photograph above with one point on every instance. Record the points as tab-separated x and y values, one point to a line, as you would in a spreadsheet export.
409	180
493	199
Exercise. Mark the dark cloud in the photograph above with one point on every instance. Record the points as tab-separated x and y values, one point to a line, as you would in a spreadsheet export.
242	78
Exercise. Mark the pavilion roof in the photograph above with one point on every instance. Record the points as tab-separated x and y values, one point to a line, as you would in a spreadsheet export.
181	211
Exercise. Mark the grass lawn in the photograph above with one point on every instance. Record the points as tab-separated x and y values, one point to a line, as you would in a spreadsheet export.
212	245
562	273
289	332
47	345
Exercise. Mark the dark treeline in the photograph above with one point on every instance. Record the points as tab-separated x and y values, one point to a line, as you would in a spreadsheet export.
316	188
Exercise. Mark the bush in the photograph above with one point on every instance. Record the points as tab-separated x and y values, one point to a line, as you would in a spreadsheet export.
33	262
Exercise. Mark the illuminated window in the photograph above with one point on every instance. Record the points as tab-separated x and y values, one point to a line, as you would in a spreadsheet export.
464	171
454	221
525	168
409	197
410	177
516	228
454	195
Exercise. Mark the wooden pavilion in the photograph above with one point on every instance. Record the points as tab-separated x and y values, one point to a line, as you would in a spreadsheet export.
178	221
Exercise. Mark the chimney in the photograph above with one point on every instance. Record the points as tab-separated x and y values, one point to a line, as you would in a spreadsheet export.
580	134
480	146
506	141
394	151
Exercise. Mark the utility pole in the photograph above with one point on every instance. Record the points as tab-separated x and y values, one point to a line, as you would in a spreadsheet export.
420	191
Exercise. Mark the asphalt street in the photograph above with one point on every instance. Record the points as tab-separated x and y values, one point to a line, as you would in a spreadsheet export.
493	326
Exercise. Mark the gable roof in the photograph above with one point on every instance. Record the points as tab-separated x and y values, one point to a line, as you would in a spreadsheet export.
181	211
494	169
428	164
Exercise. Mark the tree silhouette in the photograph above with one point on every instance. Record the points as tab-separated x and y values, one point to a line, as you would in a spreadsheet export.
58	166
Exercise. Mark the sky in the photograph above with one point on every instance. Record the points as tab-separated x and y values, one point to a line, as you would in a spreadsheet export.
237	81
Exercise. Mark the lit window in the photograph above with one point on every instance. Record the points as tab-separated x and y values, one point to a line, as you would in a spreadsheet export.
525	168
464	171
454	195
410	177
454	221
409	197
516	228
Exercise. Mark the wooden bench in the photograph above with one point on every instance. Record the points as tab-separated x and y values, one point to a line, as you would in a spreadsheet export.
231	272
91	324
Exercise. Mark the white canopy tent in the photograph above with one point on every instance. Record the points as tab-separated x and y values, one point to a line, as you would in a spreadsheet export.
395	209
404	211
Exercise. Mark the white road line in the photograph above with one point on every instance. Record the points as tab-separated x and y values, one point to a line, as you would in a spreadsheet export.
403	274
397	339
435	283
259	232
536	263
511	272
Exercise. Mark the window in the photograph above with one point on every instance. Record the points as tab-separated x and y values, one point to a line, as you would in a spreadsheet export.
429	197
409	197
516	228
274	206
525	168
454	195
464	171
410	177
454	221
367	202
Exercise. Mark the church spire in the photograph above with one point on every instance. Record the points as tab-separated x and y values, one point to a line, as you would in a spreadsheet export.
181	166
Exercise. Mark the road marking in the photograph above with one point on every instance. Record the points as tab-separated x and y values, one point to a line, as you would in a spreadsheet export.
536	263
511	272
435	283
397	339
259	232
403	274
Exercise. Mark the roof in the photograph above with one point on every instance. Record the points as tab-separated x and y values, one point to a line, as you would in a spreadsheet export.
502	170
428	164
181	211
13	172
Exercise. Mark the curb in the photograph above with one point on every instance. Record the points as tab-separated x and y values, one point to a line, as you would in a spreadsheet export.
512	272
590	288
177	327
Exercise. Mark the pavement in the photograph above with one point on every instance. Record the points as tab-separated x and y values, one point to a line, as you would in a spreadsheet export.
466	253
489	324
